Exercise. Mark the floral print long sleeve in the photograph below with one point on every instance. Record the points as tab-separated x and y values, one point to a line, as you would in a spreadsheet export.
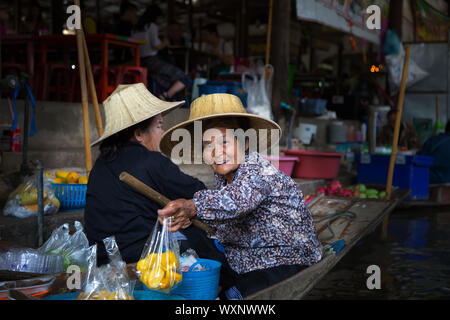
261	218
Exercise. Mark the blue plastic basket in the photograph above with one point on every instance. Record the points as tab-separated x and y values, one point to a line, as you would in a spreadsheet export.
70	196
200	285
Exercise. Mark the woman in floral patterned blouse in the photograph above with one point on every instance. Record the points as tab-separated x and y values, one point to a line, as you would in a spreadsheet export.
258	212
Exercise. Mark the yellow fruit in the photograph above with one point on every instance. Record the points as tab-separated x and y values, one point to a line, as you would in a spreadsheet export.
83	180
111	296
165	282
48	175
61	174
178	277
154	278
142	265
59	180
72	177
169	260
32	207
30	197
55	202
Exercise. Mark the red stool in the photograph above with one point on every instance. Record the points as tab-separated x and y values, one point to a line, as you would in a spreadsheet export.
57	82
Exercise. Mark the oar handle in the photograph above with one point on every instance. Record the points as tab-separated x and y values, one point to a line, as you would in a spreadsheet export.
154	195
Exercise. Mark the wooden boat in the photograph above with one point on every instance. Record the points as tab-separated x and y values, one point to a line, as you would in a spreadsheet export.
439	198
369	214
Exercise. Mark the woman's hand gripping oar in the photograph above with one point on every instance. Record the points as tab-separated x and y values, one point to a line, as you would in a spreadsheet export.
154	195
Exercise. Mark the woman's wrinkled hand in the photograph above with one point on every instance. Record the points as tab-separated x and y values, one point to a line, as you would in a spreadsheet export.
182	212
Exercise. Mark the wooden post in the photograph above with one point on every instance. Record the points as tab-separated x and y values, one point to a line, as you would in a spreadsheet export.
84	98
398	120
280	54
90	76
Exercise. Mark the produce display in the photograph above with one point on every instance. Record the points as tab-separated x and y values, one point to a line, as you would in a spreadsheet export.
159	270
66	177
335	189
23	201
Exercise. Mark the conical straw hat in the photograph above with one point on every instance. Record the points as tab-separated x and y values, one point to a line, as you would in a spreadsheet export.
219	105
129	105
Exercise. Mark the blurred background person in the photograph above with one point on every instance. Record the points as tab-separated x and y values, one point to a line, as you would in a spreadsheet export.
128	18
169	78
213	44
438	147
408	137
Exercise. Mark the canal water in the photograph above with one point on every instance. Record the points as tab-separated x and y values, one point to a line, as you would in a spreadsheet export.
414	261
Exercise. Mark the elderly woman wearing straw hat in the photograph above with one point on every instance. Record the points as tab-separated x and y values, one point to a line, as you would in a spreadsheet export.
258	212
130	143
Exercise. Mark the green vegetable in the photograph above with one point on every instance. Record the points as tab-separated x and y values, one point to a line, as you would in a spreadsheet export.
382	195
363	196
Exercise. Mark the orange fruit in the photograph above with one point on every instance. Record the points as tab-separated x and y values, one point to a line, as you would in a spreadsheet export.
72	177
83	180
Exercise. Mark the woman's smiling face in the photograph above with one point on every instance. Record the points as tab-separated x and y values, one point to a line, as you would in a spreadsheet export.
223	151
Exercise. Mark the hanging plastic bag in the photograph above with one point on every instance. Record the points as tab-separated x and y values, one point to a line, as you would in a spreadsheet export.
23	202
159	267
395	64
110	281
254	84
74	248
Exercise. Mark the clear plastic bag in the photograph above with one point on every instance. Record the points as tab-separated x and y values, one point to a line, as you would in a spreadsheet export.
23	202
395	64
258	92
189	258
30	260
159	267
110	281
74	248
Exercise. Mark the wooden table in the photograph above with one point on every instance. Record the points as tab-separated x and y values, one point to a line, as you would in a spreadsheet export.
93	40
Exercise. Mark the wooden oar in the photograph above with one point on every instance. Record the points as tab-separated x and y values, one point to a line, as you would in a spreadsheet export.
398	119
154	195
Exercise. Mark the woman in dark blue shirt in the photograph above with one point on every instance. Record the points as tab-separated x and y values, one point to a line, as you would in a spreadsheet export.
130	142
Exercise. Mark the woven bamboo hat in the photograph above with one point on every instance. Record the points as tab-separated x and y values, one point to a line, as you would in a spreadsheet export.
219	105
129	105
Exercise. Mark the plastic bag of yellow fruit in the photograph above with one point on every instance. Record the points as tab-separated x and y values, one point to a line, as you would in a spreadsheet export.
110	281
159	267
23	201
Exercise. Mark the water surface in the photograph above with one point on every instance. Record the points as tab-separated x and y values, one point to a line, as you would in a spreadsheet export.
414	261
